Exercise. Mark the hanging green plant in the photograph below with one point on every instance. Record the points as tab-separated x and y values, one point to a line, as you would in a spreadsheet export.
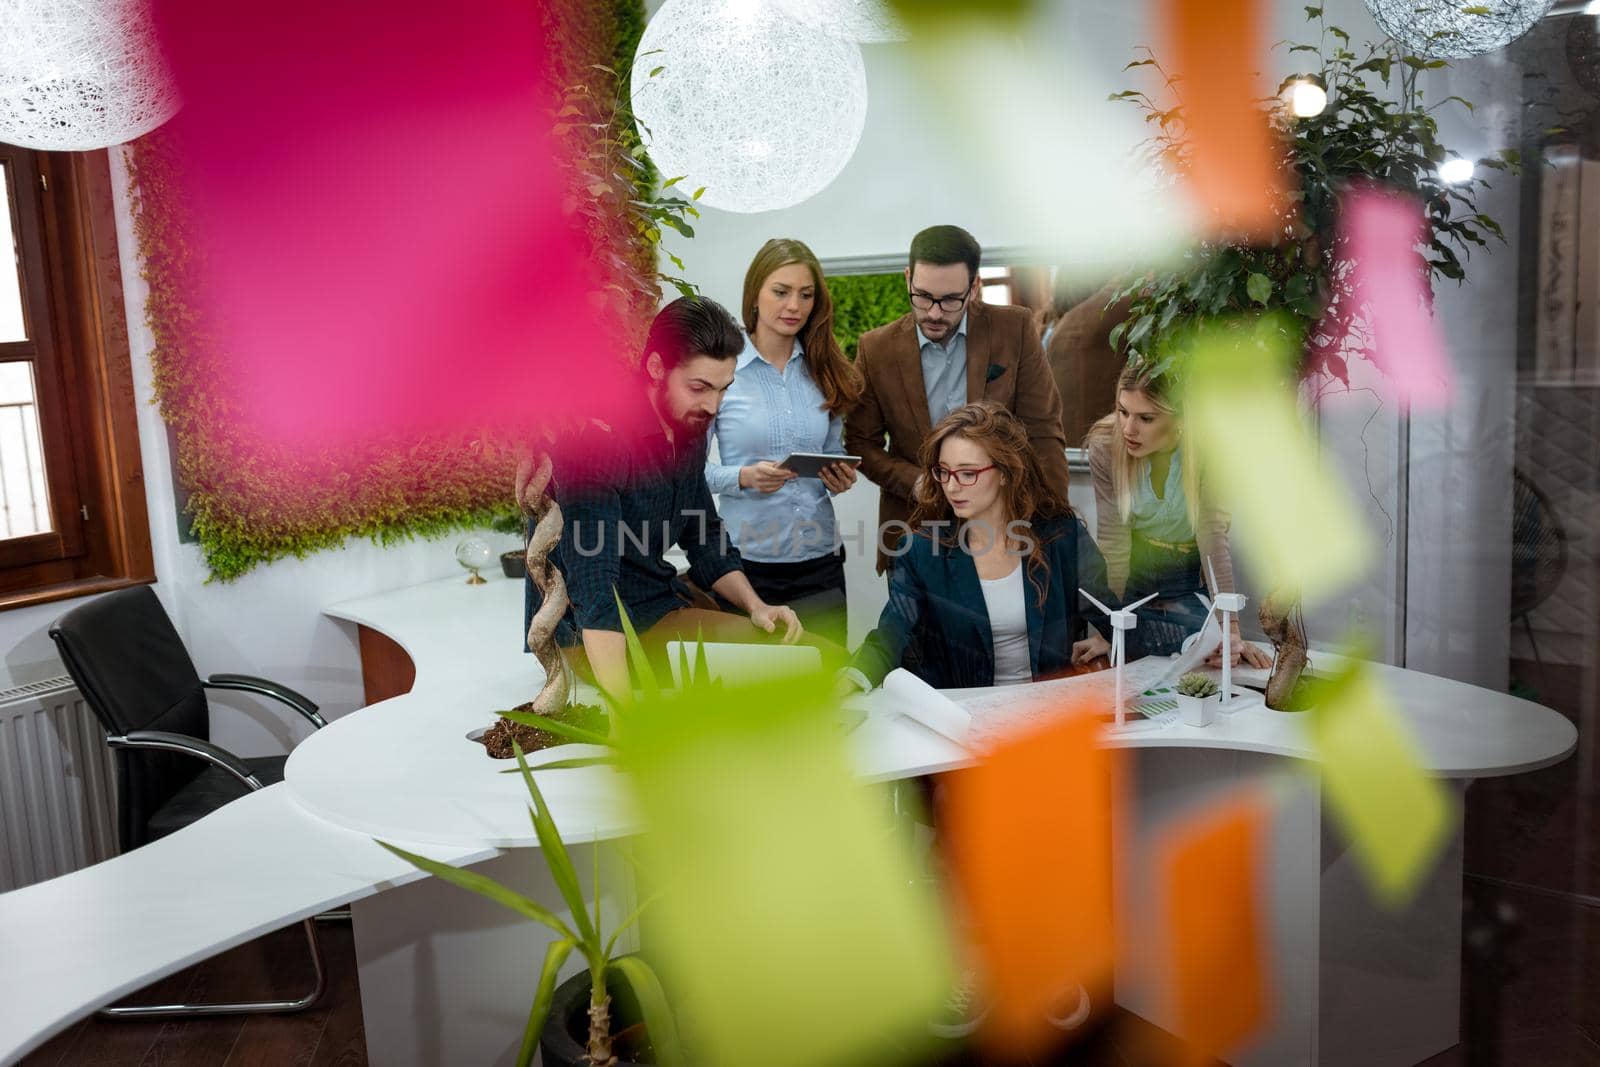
1376	126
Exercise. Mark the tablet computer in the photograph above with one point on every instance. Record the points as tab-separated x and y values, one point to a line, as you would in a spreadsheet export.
810	464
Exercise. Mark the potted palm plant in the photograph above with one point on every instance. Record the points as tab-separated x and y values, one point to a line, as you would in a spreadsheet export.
582	932
617	1005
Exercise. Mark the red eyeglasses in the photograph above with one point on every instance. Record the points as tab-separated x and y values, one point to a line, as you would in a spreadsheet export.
962	477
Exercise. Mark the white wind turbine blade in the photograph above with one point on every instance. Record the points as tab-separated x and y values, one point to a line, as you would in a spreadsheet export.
1142	603
1204	601
1212	571
1095	602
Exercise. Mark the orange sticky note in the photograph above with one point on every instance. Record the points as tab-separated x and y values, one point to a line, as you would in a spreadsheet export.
1235	167
1028	832
1215	970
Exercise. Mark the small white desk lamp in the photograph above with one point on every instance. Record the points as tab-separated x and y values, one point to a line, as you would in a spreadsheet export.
1122	620
1226	607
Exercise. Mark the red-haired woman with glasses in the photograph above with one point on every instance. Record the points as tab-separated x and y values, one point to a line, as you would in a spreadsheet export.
988	581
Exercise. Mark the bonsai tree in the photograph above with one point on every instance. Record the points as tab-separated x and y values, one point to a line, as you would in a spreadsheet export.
612	186
540	509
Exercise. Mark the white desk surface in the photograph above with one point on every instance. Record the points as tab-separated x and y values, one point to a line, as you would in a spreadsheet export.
403	770
75	943
433	789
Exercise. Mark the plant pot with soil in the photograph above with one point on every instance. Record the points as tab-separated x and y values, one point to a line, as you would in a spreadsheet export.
565	1041
578	931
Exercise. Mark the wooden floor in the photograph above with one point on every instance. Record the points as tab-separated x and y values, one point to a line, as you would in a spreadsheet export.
327	1035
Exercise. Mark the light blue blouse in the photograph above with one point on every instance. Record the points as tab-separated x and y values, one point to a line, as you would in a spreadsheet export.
1164	518
766	415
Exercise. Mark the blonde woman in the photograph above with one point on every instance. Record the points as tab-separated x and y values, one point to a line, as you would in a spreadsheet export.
1154	520
790	391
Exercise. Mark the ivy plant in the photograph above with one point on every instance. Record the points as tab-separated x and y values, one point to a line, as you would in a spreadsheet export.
611	186
1376	127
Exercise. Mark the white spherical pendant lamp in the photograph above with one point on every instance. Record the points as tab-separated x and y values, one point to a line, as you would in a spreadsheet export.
760	110
1456	29
77	75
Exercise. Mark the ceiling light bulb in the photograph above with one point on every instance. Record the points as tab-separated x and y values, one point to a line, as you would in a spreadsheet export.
1306	98
1455	170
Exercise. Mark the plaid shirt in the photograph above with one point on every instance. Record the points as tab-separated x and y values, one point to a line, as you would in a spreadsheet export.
627	498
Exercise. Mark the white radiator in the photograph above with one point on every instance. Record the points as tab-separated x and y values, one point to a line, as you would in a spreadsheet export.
57	789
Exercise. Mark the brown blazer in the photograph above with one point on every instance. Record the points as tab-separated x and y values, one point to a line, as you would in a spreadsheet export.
1085	366
1005	363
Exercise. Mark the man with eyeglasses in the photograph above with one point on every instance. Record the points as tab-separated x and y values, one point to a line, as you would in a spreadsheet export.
948	350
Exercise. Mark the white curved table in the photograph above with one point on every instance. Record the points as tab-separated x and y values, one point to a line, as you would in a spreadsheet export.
402	770
1355	984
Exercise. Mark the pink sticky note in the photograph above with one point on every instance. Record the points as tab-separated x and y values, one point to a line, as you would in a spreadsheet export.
1384	231
382	245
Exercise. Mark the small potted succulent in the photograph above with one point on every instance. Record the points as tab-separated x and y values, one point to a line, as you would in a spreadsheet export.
1198	699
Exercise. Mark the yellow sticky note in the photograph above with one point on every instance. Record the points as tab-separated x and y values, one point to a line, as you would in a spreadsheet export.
1395	815
1294	520
791	926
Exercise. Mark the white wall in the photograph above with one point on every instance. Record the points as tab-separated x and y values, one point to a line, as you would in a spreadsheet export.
1458	587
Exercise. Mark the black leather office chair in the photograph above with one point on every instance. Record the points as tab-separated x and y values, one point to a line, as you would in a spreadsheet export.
136	676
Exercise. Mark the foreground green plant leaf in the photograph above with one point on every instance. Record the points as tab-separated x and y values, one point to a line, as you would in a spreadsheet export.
784	901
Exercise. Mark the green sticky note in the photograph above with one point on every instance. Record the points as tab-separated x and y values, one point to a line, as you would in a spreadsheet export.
791	925
1395	815
1293	519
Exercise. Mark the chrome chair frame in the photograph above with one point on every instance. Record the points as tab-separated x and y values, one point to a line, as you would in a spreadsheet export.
221	757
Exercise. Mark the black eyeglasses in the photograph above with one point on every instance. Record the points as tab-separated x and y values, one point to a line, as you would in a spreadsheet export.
962	477
925	301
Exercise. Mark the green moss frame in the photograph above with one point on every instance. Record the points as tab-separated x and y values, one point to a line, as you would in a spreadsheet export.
863	302
249	504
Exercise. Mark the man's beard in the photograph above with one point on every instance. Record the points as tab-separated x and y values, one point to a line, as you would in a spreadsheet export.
694	422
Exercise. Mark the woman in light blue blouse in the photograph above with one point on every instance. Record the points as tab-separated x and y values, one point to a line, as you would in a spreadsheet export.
789	394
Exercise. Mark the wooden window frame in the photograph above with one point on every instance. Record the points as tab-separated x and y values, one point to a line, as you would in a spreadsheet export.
83	369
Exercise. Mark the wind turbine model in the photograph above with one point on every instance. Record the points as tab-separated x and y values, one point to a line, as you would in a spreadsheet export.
1122	620
1225	607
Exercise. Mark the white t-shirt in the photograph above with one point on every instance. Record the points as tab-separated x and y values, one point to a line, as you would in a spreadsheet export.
1008	622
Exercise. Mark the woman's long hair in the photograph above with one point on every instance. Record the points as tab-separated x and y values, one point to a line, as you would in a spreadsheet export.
1142	377
1027	495
836	376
